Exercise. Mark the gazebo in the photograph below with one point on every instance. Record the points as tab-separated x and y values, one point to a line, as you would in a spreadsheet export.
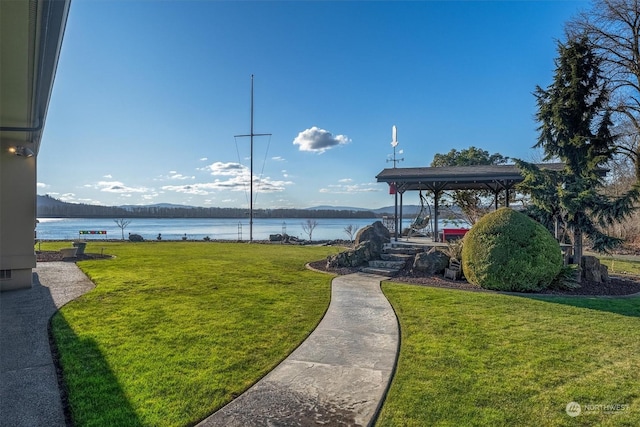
495	178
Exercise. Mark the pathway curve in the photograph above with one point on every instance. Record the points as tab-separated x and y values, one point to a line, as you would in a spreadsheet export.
338	375
29	394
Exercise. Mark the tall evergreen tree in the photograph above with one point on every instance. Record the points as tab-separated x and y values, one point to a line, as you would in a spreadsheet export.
575	128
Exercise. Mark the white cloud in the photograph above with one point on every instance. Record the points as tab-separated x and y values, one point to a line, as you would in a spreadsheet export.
278	159
203	159
350	188
197	189
318	140
174	176
226	169
345	180
108	176
42	185
236	178
118	187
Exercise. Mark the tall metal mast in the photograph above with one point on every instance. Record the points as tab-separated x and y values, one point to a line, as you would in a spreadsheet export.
251	135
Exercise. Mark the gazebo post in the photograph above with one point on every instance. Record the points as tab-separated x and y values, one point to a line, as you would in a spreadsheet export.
436	236
395	213
400	218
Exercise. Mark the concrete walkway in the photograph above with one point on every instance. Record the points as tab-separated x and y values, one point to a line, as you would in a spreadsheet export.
338	375
29	394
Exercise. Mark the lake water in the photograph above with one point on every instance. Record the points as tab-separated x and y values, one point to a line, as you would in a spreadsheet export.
195	228
198	228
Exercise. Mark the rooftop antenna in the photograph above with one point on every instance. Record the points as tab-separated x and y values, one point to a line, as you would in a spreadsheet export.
251	135
394	144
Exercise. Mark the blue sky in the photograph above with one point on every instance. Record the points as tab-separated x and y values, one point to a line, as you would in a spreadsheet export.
149	95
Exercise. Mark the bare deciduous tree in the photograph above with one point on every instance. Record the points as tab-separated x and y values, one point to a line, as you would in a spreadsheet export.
308	226
351	231
620	180
613	28
122	223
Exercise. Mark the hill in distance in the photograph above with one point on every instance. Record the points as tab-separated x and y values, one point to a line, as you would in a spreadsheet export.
48	201
50	207
158	205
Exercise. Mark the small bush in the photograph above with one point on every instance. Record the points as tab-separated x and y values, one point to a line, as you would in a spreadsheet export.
508	251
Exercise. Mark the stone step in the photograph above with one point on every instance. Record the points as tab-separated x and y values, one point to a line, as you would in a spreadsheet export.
402	250
375	263
401	244
396	257
388	272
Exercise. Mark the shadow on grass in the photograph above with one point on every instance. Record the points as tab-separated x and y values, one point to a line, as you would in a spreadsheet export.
626	306
91	394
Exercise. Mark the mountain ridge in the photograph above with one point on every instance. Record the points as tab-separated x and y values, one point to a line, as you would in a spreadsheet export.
46	201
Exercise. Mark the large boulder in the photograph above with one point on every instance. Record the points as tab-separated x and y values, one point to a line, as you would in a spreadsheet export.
377	234
508	251
593	271
432	262
356	257
368	244
135	238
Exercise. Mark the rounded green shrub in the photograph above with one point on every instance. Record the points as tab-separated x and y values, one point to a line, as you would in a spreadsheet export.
508	251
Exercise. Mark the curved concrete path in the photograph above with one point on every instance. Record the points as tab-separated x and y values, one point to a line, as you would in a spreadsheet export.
29	394
338	375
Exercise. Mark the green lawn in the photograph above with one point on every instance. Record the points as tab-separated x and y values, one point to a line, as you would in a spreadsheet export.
621	266
483	359
174	330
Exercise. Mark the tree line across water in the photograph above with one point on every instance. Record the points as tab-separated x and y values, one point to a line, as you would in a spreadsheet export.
49	207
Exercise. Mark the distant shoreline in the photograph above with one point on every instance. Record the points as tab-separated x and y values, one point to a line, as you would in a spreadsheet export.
49	207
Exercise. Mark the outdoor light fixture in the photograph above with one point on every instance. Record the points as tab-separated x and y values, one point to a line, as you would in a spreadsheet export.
21	151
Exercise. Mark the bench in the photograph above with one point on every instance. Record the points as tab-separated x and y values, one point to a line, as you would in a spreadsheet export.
455	233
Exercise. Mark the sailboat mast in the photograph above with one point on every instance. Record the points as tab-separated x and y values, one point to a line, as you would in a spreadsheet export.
251	172
251	135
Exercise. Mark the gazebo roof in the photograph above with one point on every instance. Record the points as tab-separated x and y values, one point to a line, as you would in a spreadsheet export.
484	177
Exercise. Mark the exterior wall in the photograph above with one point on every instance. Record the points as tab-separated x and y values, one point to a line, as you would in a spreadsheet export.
17	218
